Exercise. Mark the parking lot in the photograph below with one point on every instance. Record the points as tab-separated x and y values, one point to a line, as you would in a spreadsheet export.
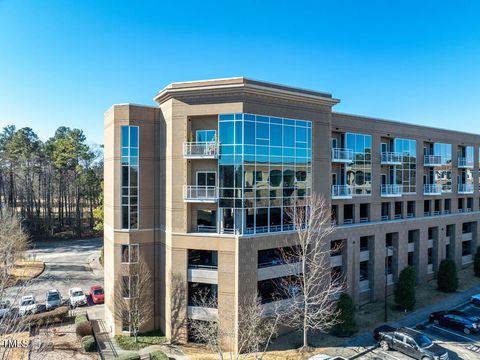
458	344
68	264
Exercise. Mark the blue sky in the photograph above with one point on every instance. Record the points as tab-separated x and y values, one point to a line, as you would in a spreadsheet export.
65	62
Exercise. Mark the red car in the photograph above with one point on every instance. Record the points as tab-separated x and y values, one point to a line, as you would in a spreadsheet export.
97	294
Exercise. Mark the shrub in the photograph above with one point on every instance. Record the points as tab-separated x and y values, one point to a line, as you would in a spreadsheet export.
80	318
347	325
158	355
83	329
476	263
447	279
405	289
88	343
57	315
129	357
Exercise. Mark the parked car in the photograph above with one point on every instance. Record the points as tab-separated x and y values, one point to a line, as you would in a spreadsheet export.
28	305
4	308
53	299
97	294
76	297
475	300
456	320
409	342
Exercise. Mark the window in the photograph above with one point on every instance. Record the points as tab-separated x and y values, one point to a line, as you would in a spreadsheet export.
364	212
336	247
277	256
405	174
206	178
385	211
430	256
130	253
359	172
202	294
129	177
411	209
447	206
466	248
130	286
206	135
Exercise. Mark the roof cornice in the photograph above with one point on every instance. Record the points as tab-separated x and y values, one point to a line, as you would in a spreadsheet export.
239	85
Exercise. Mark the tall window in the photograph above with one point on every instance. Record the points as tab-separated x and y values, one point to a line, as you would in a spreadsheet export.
129	180
130	253
407	171
359	172
443	174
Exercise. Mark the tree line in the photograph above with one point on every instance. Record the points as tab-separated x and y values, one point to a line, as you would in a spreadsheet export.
54	186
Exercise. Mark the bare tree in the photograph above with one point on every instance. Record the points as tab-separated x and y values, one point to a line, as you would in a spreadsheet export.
254	332
133	297
312	291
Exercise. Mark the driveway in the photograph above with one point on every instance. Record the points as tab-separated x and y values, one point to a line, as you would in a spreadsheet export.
68	263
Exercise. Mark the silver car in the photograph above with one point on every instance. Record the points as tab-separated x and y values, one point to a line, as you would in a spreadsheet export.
53	299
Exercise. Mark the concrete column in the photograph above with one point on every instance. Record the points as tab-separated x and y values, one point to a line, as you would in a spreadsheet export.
377	259
351	261
400	242
456	244
421	254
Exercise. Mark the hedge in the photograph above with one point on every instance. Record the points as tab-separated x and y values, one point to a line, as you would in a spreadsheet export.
57	315
347	325
132	356
88	343
447	278
83	329
80	318
159	355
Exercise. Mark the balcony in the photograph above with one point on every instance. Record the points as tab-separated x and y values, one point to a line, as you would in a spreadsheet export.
391	158
200	150
341	192
195	193
465	188
432	189
432	160
465	163
391	190
342	155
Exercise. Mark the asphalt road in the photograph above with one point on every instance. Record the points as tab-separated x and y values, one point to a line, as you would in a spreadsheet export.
67	265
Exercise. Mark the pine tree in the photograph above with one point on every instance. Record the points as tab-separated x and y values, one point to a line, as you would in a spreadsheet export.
405	289
447	279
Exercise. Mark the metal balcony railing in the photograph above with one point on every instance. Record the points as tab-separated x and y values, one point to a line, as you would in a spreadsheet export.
195	193
432	160
341	192
465	188
465	163
391	190
201	150
432	189
342	155
391	158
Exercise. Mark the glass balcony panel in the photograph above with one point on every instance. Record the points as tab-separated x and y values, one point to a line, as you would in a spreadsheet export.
200	150
342	155
341	192
196	193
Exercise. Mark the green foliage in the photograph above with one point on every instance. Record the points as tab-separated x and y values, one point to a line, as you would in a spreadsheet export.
405	289
129	357
88	343
159	355
347	325
83	329
447	278
80	319
126	342
476	263
98	211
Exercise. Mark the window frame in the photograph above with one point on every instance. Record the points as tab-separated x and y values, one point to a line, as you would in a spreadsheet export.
129	249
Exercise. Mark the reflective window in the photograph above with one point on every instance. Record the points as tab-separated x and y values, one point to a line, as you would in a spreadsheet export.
206	135
359	172
264	169
129	177
406	172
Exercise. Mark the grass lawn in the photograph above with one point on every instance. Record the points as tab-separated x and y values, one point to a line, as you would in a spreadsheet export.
368	316
25	270
151	338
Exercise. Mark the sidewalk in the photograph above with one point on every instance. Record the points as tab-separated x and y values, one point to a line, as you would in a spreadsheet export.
416	317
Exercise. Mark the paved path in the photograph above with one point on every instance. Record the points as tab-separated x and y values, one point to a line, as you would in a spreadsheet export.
67	264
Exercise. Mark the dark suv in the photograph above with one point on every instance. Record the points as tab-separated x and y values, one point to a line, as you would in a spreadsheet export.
456	320
409	342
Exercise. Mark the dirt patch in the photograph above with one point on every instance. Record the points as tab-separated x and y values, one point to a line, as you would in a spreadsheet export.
58	342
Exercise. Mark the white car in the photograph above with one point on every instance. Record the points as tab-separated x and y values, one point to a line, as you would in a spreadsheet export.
77	297
4	308
475	300
28	305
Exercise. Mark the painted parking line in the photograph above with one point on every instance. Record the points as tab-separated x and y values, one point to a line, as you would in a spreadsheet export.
464	337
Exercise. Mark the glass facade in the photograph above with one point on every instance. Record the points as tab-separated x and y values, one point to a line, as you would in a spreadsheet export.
406	172
264	172
359	172
443	173
129	180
